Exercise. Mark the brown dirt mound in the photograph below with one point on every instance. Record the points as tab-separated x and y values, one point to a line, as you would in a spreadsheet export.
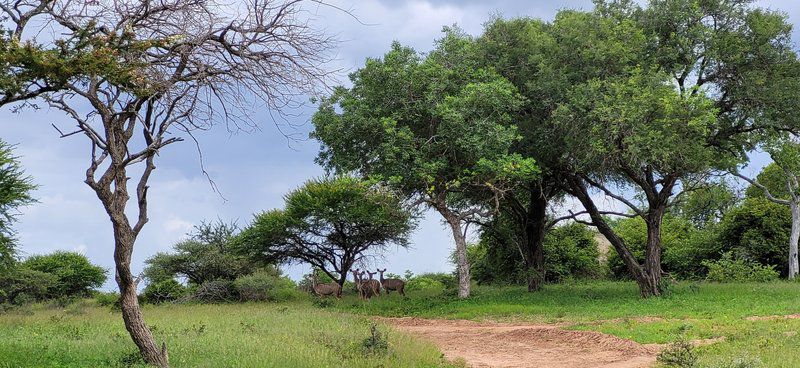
489	344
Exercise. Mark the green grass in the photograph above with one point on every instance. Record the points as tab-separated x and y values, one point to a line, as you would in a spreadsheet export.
691	311
235	335
330	333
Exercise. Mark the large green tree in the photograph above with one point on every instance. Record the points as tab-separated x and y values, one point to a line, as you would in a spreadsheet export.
693	82
435	127
15	192
331	224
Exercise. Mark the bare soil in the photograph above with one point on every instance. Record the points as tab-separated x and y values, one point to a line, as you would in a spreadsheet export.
490	344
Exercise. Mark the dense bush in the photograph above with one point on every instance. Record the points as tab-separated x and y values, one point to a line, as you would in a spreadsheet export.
570	251
265	286
75	276
21	284
730	269
424	283
207	255
684	246
110	299
216	291
758	230
163	291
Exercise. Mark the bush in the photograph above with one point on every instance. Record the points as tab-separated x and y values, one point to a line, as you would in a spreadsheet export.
75	275
680	354
163	291
19	285
109	300
570	251
424	283
263	286
730	269
758	230
448	280
216	291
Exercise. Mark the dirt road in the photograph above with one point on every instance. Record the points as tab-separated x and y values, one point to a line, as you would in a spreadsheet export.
484	344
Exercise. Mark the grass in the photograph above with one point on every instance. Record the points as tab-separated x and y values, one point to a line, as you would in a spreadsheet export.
691	311
236	335
331	333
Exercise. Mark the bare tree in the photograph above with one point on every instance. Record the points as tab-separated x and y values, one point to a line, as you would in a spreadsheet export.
135	74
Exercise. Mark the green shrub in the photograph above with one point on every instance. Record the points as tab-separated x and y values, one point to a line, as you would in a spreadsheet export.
19	285
216	291
109	300
730	269
263	286
75	275
163	291
424	283
758	230
680	354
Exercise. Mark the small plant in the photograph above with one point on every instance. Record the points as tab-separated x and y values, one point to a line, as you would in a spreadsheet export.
376	343
741	362
680	354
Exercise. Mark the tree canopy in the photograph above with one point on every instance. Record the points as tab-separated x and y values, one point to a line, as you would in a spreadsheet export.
15	192
331	224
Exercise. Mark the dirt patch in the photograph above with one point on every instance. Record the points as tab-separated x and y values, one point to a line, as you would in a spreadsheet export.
489	344
769	318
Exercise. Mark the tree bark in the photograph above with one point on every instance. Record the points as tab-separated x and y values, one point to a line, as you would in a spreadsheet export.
462	263
652	262
794	267
535	229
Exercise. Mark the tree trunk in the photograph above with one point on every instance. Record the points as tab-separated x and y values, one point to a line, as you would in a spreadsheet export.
793	239
652	261
462	263
131	312
535	229
646	287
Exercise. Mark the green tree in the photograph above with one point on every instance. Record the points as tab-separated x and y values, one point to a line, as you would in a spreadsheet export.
208	254
15	192
18	281
435	127
758	230
331	224
74	275
779	182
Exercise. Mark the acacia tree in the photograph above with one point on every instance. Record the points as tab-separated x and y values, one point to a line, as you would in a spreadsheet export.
15	191
123	69
331	224
780	183
437	128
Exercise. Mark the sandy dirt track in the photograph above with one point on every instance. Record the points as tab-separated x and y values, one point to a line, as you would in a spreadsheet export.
489	344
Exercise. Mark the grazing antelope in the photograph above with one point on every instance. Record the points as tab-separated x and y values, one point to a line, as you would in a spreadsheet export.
374	285
392	284
328	289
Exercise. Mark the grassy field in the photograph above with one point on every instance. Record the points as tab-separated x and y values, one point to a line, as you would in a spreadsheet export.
236	335
331	333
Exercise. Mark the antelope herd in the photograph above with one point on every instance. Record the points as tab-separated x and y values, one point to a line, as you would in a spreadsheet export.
367	287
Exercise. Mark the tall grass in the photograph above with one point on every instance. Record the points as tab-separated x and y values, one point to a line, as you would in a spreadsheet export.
228	335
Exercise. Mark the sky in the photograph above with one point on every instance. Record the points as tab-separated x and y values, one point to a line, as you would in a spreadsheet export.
253	171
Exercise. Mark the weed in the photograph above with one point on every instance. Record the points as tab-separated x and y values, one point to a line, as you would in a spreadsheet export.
376	343
680	354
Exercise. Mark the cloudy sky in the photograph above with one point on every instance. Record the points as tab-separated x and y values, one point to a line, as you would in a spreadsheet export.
253	171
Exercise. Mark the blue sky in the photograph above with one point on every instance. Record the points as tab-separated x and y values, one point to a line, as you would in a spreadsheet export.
254	170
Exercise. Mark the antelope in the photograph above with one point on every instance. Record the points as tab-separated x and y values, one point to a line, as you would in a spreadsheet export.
374	285
325	289
392	284
364	291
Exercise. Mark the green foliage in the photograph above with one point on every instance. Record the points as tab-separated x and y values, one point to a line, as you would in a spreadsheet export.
376	343
207	255
108	300
265	286
163	291
570	252
758	230
75	276
424	283
707	204
728	269
20	284
683	245
773	178
15	192
329	223
680	354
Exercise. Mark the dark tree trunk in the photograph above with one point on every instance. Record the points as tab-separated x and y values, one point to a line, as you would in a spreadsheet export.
652	261
535	228
645	281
